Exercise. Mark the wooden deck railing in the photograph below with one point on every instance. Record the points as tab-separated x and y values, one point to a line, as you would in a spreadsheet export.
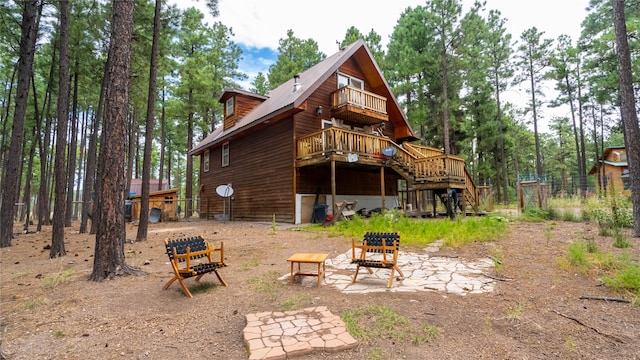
440	168
336	140
423	151
348	95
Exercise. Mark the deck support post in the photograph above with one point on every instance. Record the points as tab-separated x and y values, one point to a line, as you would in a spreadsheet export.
333	191
435	204
382	186
411	196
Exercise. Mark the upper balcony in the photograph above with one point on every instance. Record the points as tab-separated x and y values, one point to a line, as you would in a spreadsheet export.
359	106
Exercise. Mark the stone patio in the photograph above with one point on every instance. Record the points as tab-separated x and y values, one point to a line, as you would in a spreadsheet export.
283	335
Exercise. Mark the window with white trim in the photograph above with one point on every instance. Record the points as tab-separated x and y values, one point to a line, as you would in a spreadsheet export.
205	159
225	154
229	106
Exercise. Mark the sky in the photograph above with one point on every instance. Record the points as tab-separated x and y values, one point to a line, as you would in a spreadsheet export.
258	25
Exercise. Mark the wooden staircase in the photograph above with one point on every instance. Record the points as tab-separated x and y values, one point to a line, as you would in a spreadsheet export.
428	168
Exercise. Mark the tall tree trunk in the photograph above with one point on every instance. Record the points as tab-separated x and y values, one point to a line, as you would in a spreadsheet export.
148	134
169	158
163	134
26	199
583	151
109	259
189	175
88	192
81	161
595	142
575	127
29	31
59	209
7	109
72	149
44	217
535	121
445	99
132	126
628	109
23	156
503	158
602	144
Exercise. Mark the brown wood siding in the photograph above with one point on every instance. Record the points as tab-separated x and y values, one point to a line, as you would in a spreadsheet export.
349	181
244	104
260	171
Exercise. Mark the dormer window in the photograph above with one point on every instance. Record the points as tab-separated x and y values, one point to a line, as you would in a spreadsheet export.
229	107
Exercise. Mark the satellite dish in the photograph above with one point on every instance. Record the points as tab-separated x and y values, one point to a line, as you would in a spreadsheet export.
224	190
389	151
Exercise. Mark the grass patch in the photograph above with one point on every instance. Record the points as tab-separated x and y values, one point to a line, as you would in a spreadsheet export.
267	284
377	354
625	277
515	313
56	279
57	333
578	257
536	215
570	344
250	265
380	321
296	302
20	275
619	272
35	303
418	232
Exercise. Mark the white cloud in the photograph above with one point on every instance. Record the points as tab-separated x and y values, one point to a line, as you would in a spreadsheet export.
261	24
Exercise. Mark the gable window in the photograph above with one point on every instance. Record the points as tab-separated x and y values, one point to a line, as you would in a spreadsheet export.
225	154
344	80
205	165
229	105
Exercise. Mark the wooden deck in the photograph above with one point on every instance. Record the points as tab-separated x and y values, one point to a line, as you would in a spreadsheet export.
360	106
425	168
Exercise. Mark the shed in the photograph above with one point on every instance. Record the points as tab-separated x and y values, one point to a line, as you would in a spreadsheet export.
165	200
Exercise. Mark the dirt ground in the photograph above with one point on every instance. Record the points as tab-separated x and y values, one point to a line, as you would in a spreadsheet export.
534	312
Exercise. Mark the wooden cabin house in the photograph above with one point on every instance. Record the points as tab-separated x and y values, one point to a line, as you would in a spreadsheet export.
612	169
333	133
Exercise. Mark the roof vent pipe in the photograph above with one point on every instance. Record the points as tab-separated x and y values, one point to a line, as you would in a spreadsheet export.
296	82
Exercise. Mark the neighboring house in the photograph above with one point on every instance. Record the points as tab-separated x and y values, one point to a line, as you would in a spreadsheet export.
333	133
612	169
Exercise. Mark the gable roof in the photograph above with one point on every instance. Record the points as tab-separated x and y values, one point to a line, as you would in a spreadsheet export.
283	100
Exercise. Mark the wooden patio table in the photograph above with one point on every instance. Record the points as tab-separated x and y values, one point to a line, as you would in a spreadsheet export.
307	258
